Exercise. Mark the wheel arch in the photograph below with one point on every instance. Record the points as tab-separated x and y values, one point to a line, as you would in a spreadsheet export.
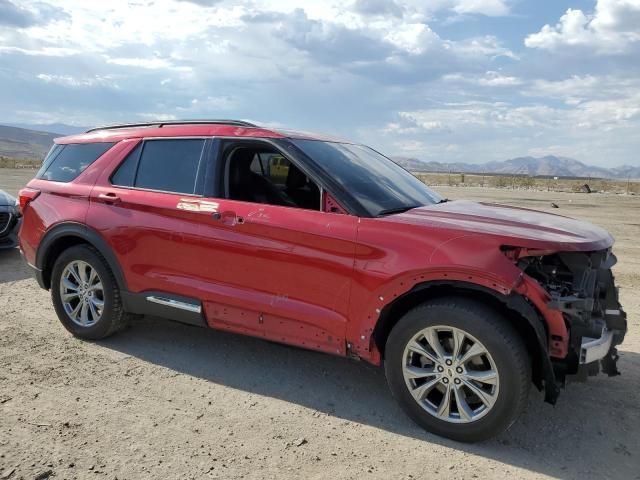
66	235
524	317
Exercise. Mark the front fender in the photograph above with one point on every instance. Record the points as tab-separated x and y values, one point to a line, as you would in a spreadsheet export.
360	336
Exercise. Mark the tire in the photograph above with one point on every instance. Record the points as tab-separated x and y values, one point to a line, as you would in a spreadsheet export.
492	407
110	318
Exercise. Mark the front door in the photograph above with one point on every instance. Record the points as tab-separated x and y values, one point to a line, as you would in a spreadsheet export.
276	270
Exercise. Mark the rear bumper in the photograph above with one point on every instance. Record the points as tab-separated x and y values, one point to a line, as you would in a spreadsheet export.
35	271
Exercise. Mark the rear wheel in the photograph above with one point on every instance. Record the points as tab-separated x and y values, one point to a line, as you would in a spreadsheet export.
85	294
458	368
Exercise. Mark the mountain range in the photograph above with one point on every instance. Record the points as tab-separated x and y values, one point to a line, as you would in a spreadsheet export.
24	144
32	142
547	166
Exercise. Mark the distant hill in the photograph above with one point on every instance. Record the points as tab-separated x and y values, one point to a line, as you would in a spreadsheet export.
61	129
25	144
533	166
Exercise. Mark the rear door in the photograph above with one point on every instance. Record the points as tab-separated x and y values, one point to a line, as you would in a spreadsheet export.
142	210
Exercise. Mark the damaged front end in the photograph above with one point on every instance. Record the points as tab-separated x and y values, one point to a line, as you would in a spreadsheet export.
581	286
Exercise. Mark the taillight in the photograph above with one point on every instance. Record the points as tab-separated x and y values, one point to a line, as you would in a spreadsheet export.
25	196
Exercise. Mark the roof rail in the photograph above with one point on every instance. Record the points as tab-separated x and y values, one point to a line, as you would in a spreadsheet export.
162	123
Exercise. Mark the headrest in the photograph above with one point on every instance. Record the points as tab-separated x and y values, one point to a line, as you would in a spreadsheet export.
296	178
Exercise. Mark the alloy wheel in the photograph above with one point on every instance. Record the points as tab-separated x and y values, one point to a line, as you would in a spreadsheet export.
82	293
450	374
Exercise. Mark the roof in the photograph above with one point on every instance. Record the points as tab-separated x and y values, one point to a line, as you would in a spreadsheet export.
186	128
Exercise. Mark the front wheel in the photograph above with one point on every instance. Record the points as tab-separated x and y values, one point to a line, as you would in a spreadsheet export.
458	368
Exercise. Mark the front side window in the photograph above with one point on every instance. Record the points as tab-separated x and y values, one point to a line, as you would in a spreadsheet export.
377	183
65	162
165	165
260	174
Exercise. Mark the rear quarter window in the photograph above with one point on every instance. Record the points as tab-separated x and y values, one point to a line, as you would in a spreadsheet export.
65	162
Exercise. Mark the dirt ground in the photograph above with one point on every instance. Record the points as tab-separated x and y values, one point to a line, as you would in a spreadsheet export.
163	400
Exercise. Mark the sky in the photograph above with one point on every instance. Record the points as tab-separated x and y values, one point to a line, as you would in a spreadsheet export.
443	80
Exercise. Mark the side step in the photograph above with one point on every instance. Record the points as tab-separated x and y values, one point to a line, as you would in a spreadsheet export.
160	304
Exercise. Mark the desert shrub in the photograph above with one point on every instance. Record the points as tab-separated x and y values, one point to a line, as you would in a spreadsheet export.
499	181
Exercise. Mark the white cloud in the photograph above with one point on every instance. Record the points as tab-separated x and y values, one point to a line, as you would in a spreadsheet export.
150	116
612	29
491	8
483	116
569	88
148	63
346	68
71	81
578	89
43	51
607	114
413	38
478	115
488	79
396	128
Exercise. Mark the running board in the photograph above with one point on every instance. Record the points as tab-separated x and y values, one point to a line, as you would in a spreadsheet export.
165	305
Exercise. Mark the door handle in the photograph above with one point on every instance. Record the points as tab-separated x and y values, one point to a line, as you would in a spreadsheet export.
109	198
228	217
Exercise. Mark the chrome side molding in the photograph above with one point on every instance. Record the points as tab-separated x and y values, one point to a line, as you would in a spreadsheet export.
169	302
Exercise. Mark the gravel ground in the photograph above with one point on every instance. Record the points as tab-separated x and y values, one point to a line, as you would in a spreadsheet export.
163	400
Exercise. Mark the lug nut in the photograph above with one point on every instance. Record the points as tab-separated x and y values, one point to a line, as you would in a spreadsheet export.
440	368
445	380
457	381
459	369
449	362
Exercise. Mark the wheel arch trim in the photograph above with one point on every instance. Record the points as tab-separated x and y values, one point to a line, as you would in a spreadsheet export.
510	301
73	230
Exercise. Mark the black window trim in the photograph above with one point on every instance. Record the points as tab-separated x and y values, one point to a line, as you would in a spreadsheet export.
51	156
205	157
222	151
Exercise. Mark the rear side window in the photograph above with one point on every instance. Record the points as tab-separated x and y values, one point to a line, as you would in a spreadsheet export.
165	165
65	162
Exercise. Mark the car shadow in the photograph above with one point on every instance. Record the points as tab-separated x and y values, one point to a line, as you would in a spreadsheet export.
12	266
591	422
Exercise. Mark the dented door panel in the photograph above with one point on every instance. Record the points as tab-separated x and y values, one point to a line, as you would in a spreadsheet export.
283	273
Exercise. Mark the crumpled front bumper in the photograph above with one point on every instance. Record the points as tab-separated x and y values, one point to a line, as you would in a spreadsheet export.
595	318
594	349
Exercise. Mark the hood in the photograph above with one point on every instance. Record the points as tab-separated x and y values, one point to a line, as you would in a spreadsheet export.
6	199
515	226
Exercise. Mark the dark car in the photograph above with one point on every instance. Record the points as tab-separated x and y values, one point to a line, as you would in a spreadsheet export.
9	220
326	245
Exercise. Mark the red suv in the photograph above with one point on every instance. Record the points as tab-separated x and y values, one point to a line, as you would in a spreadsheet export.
327	245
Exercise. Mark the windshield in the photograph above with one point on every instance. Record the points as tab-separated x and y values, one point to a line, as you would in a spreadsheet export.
377	183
